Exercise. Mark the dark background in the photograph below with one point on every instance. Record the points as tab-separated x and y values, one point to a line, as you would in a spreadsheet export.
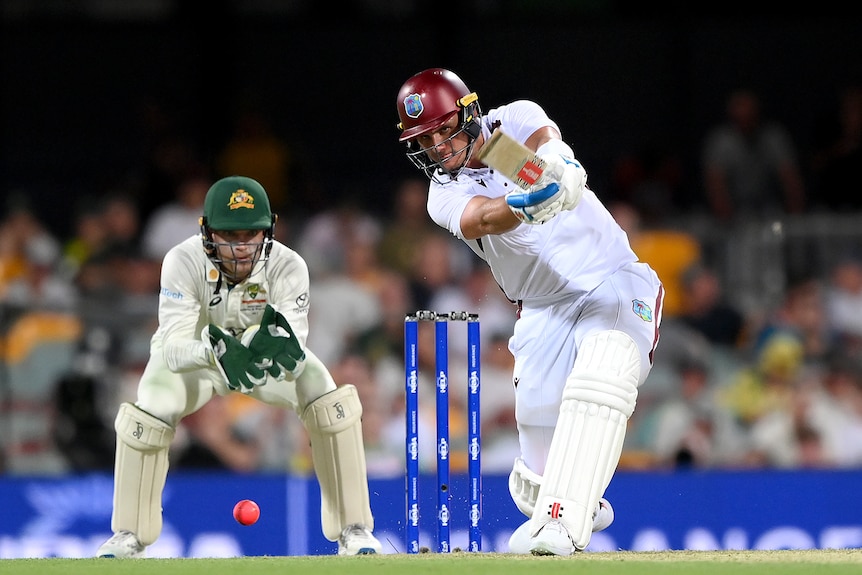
618	77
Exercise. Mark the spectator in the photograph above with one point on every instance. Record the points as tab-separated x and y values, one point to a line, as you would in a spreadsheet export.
476	292
118	290
207	439
651	180
89	236
784	437
749	165
39	350
323	238
667	250
383	343
705	310
838	155
834	410
688	428
176	220
254	147
31	272
764	398
802	314
134	321
345	308
277	436
384	457
407	228
39	335
843	300
763	385
167	151
441	262
121	217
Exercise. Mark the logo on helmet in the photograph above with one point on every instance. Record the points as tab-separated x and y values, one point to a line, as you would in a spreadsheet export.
413	105
240	199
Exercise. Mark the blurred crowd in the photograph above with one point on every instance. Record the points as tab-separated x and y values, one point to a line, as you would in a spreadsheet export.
734	385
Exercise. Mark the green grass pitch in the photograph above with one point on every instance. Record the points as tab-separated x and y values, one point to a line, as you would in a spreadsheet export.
814	562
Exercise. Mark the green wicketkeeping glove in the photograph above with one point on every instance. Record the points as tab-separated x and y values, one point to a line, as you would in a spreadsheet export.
276	342
233	360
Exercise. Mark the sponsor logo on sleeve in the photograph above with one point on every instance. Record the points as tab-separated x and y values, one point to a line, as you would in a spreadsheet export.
165	292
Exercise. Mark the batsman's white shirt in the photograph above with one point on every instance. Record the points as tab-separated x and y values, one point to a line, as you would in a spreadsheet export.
573	275
179	377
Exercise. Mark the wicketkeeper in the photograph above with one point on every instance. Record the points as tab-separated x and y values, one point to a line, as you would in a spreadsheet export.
233	317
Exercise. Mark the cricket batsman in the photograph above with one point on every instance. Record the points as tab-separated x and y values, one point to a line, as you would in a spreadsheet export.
588	310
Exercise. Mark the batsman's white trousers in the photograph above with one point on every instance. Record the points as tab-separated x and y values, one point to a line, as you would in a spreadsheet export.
545	344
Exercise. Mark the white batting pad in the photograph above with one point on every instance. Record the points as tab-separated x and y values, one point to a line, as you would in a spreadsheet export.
598	399
334	426
140	471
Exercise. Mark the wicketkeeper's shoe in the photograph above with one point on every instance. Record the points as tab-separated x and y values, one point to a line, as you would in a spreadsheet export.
552	539
357	539
519	541
122	545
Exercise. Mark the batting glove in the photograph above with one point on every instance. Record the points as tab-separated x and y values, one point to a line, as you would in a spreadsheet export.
274	344
560	187
234	361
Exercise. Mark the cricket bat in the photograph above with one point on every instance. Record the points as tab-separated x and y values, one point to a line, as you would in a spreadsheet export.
512	159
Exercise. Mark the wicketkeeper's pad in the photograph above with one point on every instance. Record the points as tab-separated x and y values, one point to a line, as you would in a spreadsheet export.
334	425
140	471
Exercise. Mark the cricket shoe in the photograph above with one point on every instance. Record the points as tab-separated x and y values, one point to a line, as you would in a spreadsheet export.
520	541
604	515
357	539
553	539
122	545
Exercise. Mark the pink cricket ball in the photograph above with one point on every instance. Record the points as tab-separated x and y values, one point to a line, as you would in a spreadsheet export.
246	512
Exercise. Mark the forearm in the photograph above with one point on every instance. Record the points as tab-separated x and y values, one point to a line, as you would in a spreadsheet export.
487	216
179	335
187	355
